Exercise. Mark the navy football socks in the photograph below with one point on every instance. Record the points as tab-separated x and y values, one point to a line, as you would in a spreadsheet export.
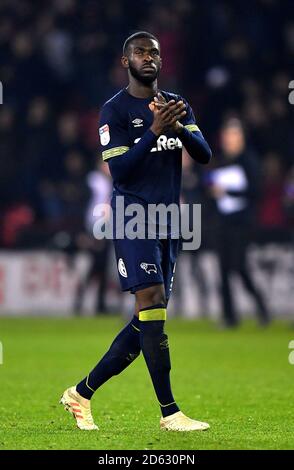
155	348
122	352
146	333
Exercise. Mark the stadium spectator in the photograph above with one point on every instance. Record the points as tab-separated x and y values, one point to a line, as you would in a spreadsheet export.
99	183
234	184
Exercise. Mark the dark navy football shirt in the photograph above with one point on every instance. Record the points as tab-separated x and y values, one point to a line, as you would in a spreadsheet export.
123	121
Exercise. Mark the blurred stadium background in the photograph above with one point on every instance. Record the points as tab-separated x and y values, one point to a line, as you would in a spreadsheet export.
59	62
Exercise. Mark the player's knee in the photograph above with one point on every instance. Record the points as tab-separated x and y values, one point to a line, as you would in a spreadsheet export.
154	295
157	297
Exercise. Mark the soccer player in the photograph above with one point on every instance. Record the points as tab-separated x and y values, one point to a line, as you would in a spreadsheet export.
142	131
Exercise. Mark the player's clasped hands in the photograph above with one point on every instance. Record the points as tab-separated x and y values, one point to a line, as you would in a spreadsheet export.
166	115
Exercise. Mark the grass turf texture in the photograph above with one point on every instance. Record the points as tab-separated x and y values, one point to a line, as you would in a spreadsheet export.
239	381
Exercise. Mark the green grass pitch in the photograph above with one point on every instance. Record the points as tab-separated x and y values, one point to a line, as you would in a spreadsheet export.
241	382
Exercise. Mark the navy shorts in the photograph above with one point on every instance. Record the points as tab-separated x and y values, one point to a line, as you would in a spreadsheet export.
142	263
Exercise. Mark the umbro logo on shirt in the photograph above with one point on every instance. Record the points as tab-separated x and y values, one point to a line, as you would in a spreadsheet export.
138	122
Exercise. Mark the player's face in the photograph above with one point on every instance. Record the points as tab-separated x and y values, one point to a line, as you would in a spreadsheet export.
143	60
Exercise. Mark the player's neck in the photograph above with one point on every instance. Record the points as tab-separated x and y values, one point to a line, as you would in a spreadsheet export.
140	90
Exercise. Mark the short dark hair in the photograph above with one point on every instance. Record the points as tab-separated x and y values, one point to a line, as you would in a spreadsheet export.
137	35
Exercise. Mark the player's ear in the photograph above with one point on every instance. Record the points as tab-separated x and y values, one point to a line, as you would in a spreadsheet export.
125	61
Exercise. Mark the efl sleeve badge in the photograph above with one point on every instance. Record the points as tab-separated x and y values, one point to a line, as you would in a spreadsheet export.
104	134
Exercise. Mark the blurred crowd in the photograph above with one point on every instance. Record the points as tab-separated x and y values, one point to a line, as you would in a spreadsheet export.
60	61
